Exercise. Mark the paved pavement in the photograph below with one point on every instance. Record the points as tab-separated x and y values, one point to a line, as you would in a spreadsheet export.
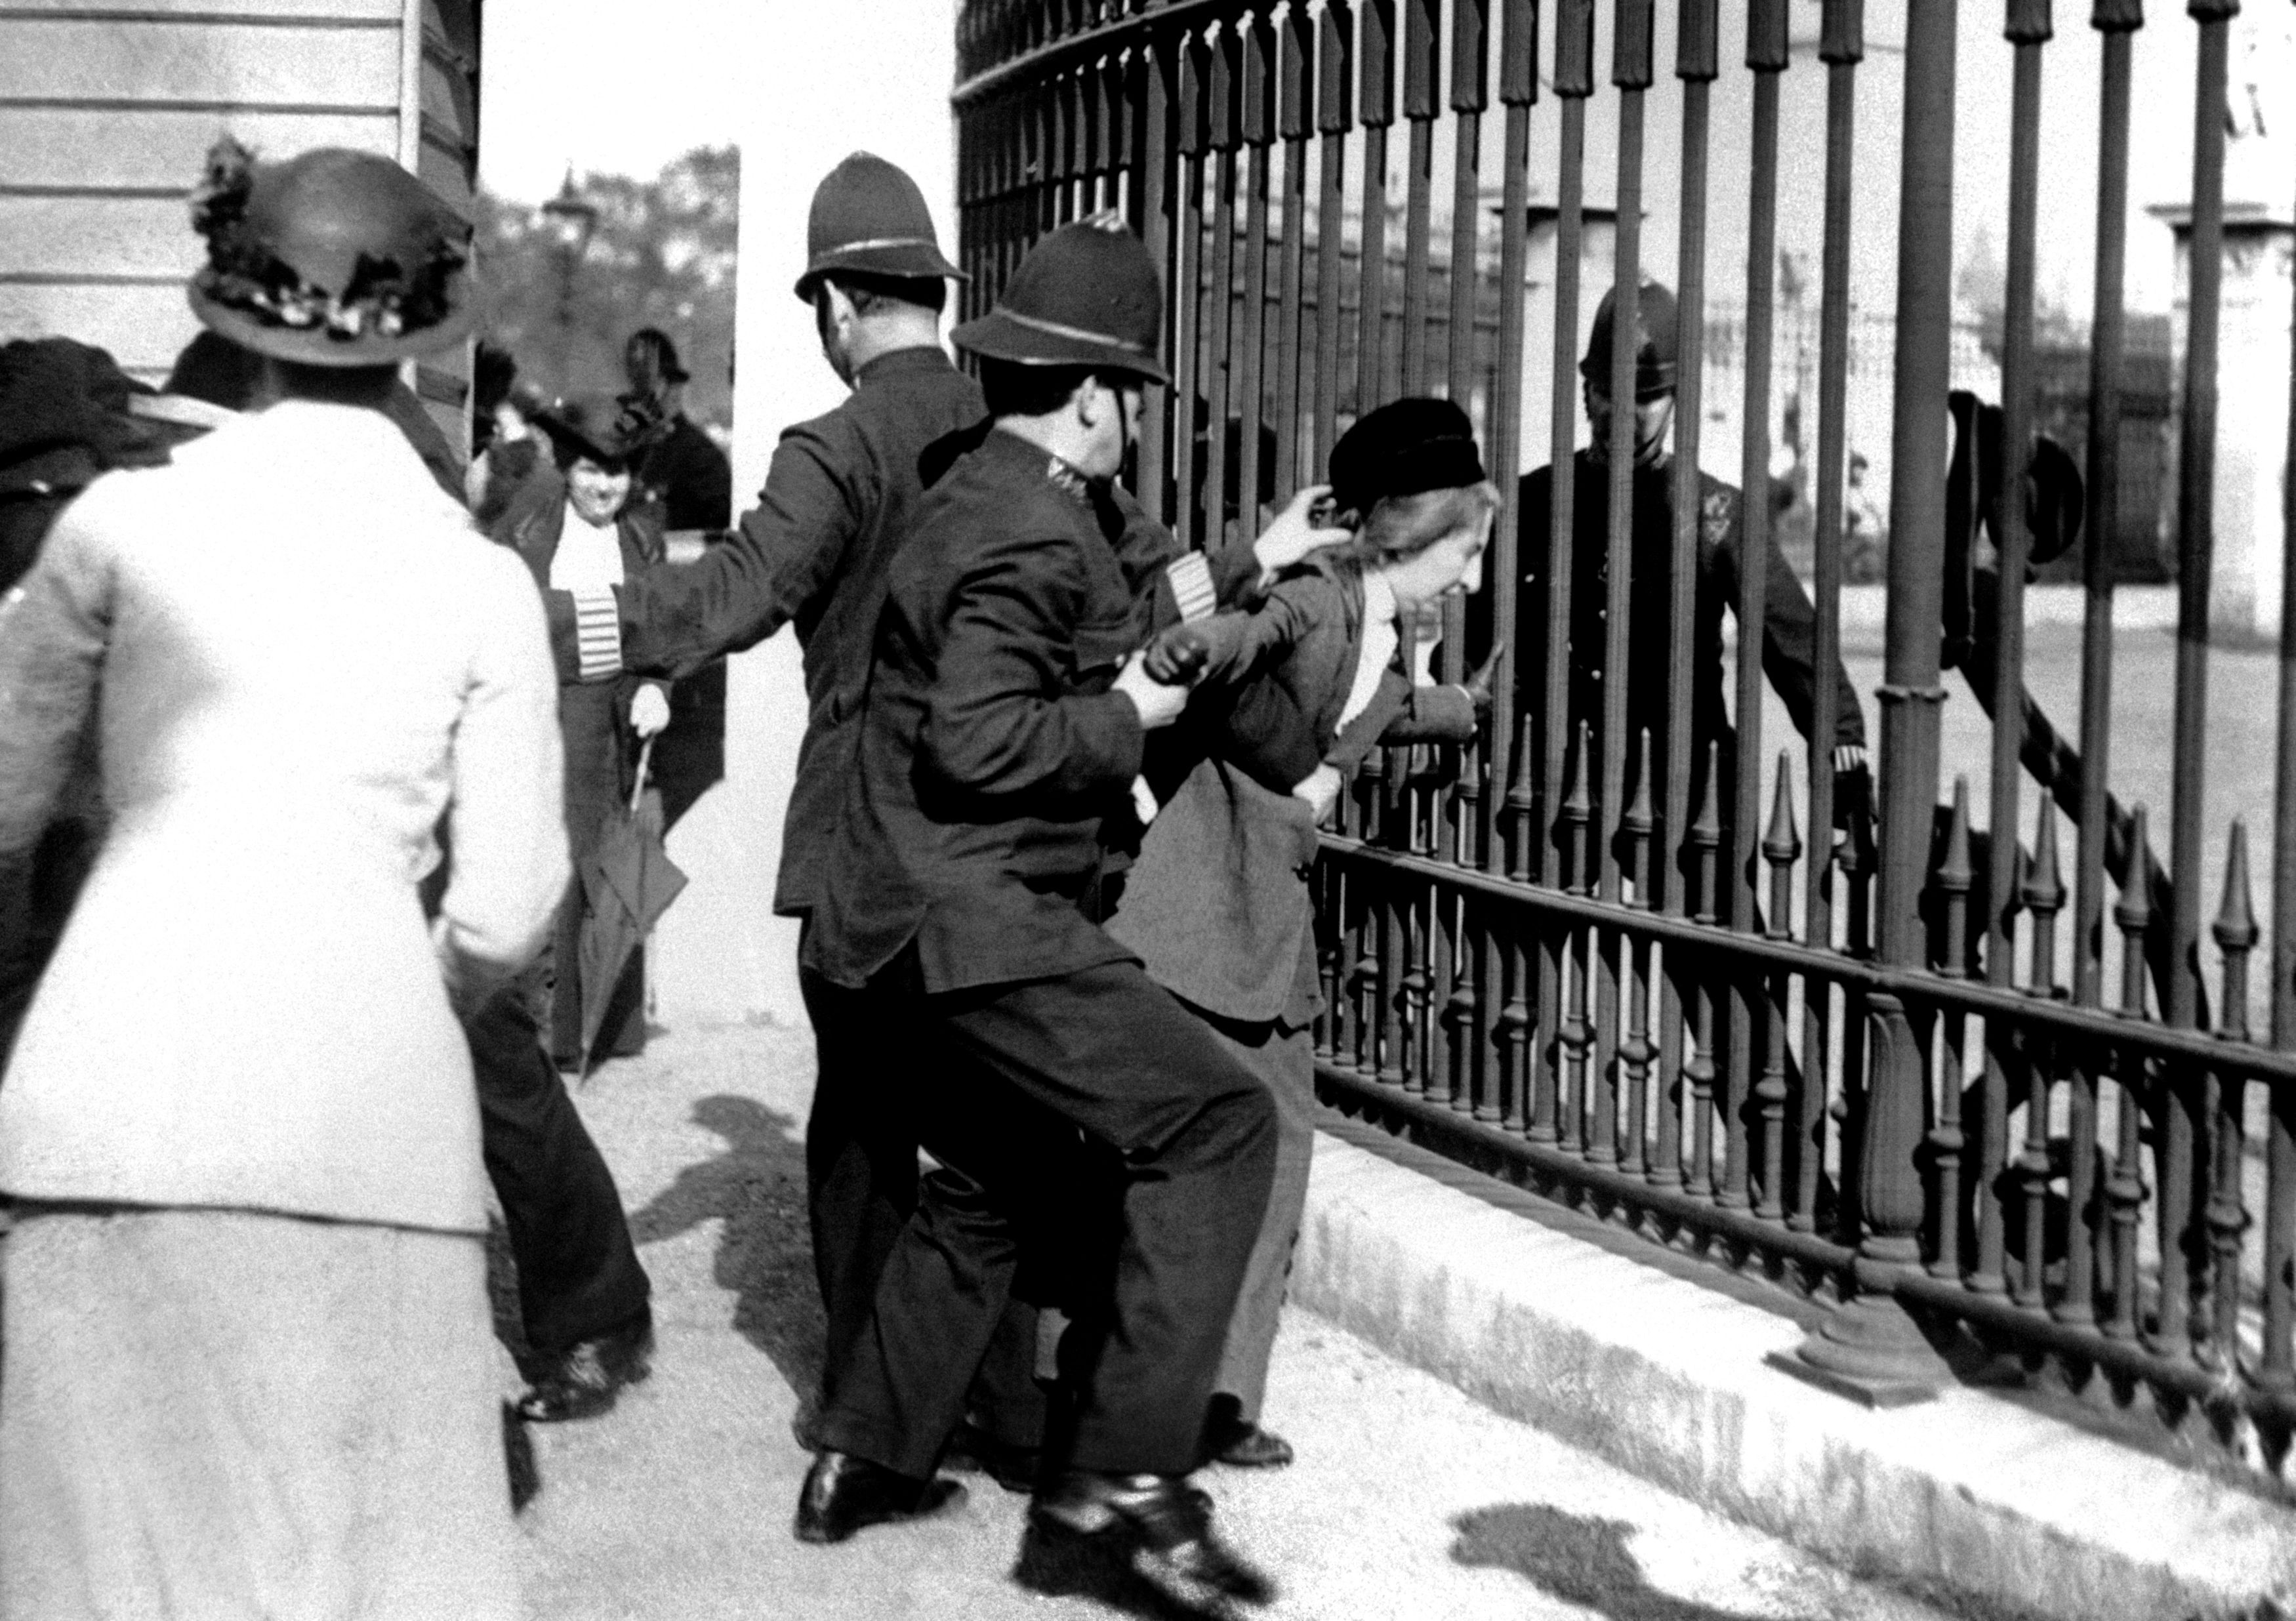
1408	1500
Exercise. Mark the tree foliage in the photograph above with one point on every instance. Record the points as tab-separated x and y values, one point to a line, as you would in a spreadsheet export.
662	254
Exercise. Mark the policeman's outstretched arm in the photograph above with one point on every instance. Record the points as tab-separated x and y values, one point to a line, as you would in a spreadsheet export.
783	553
1790	650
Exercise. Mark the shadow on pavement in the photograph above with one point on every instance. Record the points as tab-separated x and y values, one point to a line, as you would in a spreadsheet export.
765	1249
1577	1558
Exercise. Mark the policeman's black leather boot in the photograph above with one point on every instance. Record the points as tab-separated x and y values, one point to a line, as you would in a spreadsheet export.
582	1381
843	1493
1161	1527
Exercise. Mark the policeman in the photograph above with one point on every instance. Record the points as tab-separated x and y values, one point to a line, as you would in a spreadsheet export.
1788	630
1005	721
682	467
815	551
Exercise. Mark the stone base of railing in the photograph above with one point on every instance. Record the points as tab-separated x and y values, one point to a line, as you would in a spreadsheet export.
1867	1351
1864	1389
1674	1370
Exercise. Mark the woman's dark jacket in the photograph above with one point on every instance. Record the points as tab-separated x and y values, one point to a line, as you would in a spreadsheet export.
593	716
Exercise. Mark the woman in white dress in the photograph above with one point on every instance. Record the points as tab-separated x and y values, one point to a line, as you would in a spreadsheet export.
249	1366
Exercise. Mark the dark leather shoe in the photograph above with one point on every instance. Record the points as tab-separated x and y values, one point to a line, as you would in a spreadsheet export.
1249	1446
1231	1439
1016	1469
1162	1526
582	1382
843	1493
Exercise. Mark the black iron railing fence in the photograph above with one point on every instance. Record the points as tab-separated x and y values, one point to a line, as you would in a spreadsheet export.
1884	1076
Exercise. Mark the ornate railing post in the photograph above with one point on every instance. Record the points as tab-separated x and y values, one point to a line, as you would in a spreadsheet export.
1868	1346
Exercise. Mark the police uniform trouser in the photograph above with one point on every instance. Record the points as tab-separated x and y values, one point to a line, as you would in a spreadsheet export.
861	1186
860	1152
1106	1055
579	1275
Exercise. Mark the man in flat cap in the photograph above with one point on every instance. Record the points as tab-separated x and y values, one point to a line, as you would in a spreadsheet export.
1004	724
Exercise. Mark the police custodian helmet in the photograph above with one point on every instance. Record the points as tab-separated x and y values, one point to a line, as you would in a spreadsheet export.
869	217
1658	324
1088	295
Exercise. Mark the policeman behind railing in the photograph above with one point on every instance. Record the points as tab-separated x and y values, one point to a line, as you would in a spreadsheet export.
1788	649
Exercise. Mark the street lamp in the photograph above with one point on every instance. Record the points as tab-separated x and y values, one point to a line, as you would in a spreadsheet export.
573	218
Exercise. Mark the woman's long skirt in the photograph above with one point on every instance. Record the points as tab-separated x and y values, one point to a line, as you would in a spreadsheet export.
212	1413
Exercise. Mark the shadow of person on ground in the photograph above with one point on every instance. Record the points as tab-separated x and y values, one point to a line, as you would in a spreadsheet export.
765	1249
1577	1558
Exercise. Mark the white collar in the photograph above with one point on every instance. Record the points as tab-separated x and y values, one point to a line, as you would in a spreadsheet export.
1379	599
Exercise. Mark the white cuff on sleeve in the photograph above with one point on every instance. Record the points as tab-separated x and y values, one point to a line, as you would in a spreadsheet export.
1191	579
597	633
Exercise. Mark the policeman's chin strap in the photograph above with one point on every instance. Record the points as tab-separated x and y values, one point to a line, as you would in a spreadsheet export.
1659	458
1659	455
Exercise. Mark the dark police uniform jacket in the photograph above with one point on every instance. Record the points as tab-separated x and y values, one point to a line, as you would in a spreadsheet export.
1789	631
837	502
991	748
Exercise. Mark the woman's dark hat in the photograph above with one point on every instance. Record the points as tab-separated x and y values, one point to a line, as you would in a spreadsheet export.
869	216
1405	446
1088	295
333	257
610	430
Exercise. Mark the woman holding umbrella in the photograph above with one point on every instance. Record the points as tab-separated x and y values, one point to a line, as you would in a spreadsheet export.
579	531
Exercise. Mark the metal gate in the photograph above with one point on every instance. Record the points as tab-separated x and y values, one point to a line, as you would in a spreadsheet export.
1896	1094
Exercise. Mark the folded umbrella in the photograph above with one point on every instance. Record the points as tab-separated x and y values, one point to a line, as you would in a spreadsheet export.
628	883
